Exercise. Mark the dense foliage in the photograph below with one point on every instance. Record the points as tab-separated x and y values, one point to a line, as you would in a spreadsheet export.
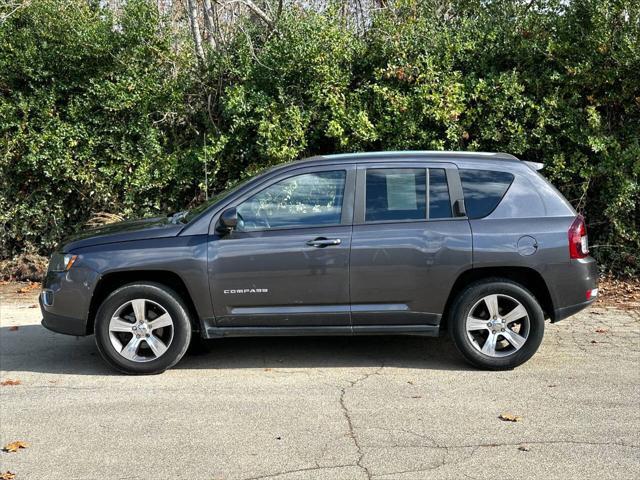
117	114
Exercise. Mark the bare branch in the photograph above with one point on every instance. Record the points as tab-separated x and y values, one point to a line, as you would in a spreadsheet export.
195	28
251	6
15	7
208	21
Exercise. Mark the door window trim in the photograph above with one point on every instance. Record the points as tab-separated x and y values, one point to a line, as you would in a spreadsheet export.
453	182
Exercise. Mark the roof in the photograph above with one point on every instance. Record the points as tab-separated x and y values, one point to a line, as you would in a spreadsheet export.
434	155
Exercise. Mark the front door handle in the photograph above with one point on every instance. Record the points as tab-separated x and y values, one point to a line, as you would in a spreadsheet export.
322	242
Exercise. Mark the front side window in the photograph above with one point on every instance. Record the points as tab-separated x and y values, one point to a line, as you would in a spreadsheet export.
307	200
395	194
483	190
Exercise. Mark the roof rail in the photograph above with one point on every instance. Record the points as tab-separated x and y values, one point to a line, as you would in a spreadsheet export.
435	153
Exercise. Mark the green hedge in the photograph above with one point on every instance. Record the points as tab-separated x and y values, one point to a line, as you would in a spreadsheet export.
98	115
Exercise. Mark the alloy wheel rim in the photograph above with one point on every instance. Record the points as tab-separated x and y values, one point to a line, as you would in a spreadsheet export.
141	330
498	325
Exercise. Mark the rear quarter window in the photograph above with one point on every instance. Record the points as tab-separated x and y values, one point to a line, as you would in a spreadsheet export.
483	190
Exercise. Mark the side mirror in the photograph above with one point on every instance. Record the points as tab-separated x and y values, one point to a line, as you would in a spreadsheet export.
228	220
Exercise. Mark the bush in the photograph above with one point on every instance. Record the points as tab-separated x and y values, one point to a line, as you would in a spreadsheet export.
105	115
90	120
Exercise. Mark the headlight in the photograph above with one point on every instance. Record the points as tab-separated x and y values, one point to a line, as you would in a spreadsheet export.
61	262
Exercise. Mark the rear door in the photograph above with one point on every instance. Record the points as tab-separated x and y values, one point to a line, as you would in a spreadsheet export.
407	247
287	263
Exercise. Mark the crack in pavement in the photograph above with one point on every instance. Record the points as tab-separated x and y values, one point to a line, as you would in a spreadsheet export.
299	470
347	416
475	447
509	444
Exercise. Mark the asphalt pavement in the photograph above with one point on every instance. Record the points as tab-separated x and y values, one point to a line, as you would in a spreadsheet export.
315	408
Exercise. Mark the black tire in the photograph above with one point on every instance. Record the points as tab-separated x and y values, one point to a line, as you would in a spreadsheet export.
474	293
166	299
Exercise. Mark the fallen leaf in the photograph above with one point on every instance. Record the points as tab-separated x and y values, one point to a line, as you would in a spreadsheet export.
13	328
28	288
10	382
508	417
594	341
268	369
7	475
410	382
53	381
14	446
524	447
33	306
602	330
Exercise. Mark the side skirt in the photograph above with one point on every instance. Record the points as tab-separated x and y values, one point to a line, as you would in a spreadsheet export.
424	330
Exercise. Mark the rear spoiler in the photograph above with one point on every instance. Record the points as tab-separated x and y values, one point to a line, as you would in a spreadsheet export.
534	165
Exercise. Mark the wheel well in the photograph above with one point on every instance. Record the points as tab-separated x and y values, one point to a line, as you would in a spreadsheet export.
112	281
527	277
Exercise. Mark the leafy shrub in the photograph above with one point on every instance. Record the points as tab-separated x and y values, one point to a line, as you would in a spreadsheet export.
105	115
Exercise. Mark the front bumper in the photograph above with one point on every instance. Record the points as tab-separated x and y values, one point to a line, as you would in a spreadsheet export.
61	324
65	300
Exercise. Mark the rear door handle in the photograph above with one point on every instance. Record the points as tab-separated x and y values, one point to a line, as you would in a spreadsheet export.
322	242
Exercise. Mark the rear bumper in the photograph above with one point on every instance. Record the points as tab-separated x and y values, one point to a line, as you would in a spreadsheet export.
564	312
570	286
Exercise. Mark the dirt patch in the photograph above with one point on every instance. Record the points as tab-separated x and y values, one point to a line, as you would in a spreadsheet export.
619	293
24	268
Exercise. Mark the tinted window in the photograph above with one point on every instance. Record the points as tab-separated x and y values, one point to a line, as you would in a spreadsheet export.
483	190
439	201
395	194
312	199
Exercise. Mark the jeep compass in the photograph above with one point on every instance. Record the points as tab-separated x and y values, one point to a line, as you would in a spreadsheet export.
476	244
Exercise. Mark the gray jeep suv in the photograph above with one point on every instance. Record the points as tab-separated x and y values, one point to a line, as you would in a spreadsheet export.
479	244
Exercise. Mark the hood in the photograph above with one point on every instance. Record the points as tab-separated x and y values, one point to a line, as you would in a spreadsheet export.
141	229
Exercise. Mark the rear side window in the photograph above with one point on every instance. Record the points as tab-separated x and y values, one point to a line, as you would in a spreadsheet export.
439	200
483	190
396	194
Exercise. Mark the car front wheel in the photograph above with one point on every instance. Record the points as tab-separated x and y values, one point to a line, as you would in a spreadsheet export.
496	324
142	328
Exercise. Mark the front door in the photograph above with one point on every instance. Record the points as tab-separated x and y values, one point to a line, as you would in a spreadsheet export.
287	262
407	247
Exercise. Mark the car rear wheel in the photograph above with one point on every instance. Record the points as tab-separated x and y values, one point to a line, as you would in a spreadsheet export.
496	324
142	328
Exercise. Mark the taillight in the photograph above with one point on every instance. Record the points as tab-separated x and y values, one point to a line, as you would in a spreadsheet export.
578	240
